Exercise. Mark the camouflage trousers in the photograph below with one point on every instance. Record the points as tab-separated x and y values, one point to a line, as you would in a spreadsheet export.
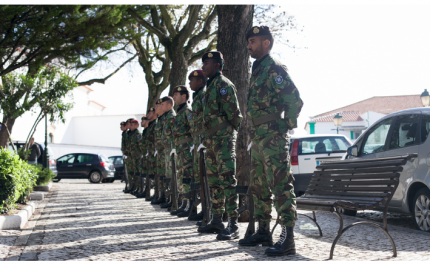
271	174
161	167
150	166
169	168
221	171
195	157
133	170
185	166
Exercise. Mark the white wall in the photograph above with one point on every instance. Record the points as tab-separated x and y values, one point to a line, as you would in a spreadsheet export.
63	149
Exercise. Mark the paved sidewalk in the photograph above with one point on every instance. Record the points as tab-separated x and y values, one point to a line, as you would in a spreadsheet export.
83	221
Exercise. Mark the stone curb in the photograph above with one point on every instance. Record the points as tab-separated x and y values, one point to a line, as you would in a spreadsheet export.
37	196
17	221
43	188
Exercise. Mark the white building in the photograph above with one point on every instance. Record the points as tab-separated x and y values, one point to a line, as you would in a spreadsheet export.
86	128
359	116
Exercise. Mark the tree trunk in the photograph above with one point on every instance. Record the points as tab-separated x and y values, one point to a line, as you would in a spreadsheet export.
178	74
4	136
233	23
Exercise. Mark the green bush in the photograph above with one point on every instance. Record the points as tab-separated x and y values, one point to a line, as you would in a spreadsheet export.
44	175
17	179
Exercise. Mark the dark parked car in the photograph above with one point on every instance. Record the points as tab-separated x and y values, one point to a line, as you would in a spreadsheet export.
118	163
95	167
52	165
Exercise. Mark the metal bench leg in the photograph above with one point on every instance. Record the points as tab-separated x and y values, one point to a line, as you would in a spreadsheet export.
314	219
359	223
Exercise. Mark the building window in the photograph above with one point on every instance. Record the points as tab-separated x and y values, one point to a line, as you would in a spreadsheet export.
51	138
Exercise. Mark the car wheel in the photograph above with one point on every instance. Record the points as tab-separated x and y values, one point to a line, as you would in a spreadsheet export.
95	177
56	180
421	209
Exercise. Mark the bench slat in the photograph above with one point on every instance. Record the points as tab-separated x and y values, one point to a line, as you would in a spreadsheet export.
356	194
381	189
367	176
352	161
394	162
308	196
363	183
361	170
332	201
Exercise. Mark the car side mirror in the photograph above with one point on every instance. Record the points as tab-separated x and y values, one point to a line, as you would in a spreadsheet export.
352	151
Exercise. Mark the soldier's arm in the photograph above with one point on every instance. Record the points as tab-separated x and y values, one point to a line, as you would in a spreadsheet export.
230	105
288	94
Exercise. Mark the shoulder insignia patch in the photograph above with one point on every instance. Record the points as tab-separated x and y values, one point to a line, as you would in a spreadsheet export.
189	116
138	137
223	91
203	100
279	79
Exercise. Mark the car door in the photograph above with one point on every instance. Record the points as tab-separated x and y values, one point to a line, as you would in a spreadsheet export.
375	142
404	139
83	165
65	166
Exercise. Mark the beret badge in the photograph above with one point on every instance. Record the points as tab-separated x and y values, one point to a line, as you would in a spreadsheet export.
256	30
196	73
210	55
179	89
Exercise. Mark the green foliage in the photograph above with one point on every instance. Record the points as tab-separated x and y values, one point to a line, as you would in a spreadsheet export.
23	154
17	179
44	175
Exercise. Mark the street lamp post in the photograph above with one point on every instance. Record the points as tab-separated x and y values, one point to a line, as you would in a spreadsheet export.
337	122
425	98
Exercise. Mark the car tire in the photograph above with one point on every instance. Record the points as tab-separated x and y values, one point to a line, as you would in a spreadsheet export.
56	180
421	209
95	177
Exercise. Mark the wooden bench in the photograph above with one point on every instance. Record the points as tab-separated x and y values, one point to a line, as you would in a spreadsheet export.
363	184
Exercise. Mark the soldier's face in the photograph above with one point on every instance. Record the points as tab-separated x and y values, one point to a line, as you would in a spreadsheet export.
194	83
255	47
123	128
127	125
165	106
178	98
209	68
150	115
158	109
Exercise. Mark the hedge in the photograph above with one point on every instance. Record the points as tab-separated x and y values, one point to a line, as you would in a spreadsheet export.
17	179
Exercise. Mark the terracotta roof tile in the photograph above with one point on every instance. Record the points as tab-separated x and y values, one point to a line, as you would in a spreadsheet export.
383	105
346	116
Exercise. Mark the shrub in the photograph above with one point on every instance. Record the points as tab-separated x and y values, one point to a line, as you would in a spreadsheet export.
17	179
44	175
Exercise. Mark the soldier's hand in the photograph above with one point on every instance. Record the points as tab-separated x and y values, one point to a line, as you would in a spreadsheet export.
249	146
173	152
155	154
192	148
200	147
147	154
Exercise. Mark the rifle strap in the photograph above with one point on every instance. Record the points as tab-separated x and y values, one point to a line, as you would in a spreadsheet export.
219	127
267	118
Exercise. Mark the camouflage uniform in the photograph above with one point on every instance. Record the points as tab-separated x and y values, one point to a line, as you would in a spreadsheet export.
183	143
272	92
167	140
222	117
196	128
160	162
126	152
135	157
149	146
144	151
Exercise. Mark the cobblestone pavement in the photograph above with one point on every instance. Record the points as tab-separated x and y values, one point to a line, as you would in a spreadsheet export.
83	221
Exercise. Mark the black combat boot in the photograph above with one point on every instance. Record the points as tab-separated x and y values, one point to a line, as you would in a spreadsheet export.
162	199
141	195
181	209
186	211
197	217
167	204
215	226
262	236
285	245
150	198
231	231
127	189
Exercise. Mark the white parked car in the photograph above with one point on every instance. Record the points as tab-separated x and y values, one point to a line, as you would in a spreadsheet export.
308	151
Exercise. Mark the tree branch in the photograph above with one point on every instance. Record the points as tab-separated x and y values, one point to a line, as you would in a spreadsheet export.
161	35
103	80
198	55
168	21
203	34
188	28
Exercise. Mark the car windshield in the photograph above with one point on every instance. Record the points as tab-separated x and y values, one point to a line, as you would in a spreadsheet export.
326	144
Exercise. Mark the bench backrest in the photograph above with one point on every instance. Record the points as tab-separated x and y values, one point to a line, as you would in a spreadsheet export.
358	184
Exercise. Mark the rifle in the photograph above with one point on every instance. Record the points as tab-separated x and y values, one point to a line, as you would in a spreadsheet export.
125	173
174	183
249	205
148	179
194	187
204	184
157	180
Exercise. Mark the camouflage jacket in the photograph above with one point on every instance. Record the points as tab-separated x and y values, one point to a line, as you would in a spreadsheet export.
196	121
181	125
272	91
148	145
158	130
134	147
220	104
167	135
123	141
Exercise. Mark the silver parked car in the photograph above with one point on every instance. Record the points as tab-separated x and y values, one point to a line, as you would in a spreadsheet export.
400	133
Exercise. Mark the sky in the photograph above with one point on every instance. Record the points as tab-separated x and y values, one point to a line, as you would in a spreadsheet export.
353	52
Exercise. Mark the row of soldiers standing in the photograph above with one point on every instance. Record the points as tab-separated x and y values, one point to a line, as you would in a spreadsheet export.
212	122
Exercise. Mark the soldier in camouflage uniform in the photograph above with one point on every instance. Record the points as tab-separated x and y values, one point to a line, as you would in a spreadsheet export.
142	161
167	104
135	154
198	85
148	144
126	155
123	128
182	145
221	121
273	107
159	153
